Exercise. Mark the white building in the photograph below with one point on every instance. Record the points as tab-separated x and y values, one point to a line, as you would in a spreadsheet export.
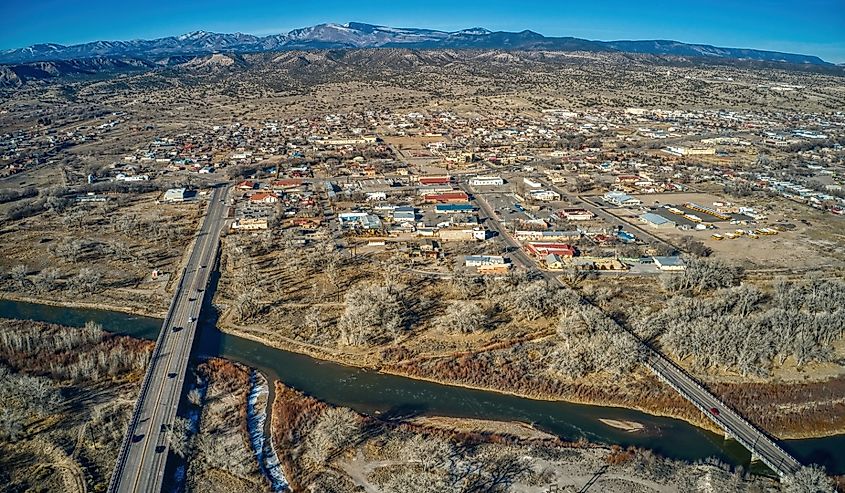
479	260
486	181
175	195
621	199
544	195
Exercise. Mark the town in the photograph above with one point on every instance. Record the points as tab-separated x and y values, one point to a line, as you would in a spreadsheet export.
393	270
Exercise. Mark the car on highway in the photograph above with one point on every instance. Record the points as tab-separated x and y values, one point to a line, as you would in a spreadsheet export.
177	329
714	411
171	374
137	438
192	319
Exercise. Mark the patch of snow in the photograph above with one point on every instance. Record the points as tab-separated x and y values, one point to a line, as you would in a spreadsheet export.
262	448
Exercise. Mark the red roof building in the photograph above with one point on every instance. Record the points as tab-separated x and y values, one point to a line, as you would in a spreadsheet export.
264	197
435	180
541	249
447	197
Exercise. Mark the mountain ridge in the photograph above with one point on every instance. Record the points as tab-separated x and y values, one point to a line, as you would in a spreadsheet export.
363	35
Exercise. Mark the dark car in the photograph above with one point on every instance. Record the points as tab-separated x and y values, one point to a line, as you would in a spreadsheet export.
171	374
177	329
137	438
159	449
714	411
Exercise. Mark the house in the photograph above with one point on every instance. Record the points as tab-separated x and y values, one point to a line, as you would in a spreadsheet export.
453	208
246	185
621	199
123	177
554	262
286	183
669	263
656	221
263	198
486	181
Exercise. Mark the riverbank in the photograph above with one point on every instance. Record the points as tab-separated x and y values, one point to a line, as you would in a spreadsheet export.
670	407
676	408
131	310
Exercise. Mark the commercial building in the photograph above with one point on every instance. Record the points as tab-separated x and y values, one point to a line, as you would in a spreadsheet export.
542	249
453	208
486	181
621	199
656	221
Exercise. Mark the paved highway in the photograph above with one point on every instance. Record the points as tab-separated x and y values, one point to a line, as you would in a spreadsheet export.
749	436
143	455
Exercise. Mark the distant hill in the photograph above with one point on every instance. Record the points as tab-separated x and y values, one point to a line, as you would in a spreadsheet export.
359	35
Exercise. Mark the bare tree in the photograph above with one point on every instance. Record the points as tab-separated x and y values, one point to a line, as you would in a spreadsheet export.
335	430
463	316
179	437
373	313
808	479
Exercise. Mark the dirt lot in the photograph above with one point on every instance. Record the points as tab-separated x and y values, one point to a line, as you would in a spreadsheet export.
815	242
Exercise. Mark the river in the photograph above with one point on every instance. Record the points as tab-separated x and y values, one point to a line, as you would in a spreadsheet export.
388	395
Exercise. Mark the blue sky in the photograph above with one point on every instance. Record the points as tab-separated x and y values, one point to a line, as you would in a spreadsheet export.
815	27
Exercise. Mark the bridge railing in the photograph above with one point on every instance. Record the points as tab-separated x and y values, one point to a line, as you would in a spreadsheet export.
130	432
778	468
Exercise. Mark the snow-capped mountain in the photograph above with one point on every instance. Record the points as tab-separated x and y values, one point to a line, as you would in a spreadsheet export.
360	35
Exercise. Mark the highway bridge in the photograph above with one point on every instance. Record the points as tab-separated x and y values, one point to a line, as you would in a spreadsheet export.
143	454
762	446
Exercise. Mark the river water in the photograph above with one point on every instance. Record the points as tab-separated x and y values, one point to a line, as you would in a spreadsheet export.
388	395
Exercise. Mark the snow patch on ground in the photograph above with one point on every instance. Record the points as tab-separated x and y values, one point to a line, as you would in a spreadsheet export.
265	454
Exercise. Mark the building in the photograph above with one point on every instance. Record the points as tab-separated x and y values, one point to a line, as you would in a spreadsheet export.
481	260
542	249
123	177
453	208
544	195
359	219
621	199
574	214
250	224
526	235
554	262
404	214
669	263
486	181
263	198
455	196
462	234
656	221
176	195
435	180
